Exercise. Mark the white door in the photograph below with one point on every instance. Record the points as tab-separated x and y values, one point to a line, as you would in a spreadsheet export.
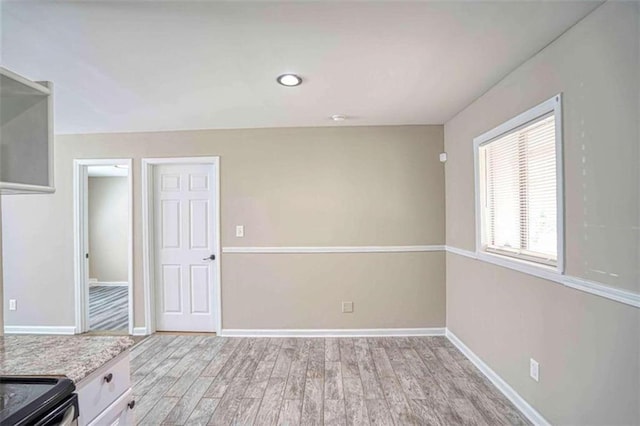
185	247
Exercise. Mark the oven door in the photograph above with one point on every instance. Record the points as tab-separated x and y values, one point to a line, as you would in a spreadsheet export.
64	414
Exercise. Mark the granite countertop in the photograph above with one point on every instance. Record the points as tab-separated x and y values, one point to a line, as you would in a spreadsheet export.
72	356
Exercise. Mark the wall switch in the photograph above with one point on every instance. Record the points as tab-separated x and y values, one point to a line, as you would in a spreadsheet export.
534	369
347	307
443	157
239	231
12	305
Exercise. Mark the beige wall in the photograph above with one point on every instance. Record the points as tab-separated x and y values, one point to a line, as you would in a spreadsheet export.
588	347
289	187
389	290
108	228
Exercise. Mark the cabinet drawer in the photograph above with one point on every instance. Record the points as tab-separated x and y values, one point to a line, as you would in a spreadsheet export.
119	413
102	387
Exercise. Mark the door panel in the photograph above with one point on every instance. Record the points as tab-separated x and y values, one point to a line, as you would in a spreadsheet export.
200	293
198	182
170	215
171	289
198	224
184	203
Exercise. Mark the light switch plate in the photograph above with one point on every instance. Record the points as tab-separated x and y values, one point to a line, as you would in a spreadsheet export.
239	231
534	369
443	157
347	307
12	305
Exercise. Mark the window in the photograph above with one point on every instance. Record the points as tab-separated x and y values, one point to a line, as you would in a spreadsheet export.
519	191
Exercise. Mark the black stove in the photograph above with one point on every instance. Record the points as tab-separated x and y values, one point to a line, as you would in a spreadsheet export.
35	400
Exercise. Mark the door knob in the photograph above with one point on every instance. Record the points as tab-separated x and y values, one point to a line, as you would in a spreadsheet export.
212	257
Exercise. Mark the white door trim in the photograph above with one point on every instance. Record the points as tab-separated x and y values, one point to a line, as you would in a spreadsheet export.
148	261
80	237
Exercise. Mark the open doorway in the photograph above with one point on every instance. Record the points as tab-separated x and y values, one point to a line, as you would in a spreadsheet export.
103	206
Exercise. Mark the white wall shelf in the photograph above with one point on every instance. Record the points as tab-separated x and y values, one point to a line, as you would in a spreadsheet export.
26	135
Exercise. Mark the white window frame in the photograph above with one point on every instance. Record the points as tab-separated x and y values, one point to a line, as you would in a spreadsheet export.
554	106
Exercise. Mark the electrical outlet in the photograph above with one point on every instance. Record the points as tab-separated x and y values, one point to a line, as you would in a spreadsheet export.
534	369
239	231
12	304
347	307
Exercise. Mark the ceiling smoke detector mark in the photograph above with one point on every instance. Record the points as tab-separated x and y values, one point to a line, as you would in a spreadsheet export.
289	80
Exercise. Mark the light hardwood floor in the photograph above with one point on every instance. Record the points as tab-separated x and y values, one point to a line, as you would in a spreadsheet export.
198	380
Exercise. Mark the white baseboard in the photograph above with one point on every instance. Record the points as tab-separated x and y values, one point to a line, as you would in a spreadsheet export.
309	332
108	283
140	331
30	329
534	416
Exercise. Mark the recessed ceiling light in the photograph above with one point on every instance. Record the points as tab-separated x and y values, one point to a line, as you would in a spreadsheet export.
289	80
338	117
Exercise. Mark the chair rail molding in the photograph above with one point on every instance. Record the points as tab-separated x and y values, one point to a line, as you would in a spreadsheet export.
335	249
623	296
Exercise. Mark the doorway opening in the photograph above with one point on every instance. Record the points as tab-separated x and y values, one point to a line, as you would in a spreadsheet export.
103	246
181	244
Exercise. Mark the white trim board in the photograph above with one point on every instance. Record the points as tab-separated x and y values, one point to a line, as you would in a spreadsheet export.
310	332
592	287
335	249
534	416
39	329
140	331
108	283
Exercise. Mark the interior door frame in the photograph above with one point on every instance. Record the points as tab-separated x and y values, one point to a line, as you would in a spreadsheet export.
81	237
148	237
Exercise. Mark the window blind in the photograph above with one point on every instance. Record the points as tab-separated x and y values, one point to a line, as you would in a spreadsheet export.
520	200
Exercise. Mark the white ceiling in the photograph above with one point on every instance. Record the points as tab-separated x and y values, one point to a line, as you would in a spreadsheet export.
140	66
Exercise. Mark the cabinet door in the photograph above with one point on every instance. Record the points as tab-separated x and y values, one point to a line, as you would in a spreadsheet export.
121	412
103	387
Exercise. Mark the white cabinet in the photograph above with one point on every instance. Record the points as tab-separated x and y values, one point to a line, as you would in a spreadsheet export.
26	135
121	412
104	397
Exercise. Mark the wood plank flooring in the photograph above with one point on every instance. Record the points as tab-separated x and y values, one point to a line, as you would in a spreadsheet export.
200	380
109	308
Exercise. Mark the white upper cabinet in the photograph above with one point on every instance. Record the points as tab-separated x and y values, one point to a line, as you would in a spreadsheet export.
26	135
